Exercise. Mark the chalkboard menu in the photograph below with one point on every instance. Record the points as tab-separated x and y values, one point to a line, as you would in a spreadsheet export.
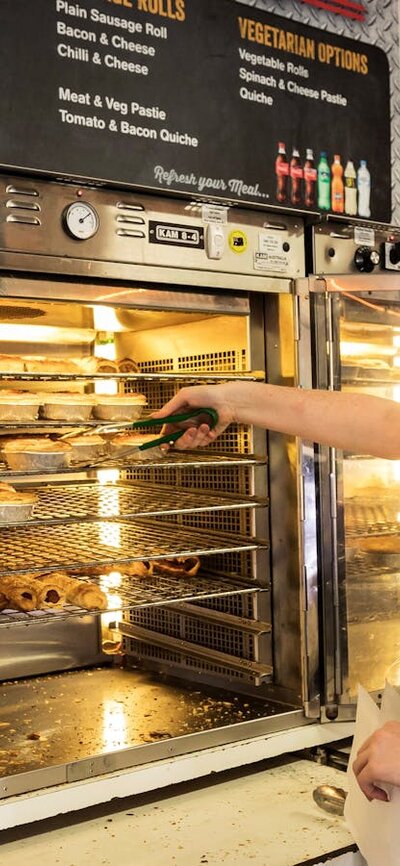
209	98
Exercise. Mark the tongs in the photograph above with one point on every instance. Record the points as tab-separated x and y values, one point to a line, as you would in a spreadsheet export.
168	438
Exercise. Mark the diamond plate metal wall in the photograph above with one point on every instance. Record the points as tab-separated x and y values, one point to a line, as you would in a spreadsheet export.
380	28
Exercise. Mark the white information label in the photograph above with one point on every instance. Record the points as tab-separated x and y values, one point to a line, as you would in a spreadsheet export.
212	213
268	243
272	263
364	236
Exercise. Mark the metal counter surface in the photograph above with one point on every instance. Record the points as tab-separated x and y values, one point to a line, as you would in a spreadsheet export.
265	816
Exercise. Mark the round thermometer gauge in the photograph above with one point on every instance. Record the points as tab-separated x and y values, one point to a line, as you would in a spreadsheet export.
81	220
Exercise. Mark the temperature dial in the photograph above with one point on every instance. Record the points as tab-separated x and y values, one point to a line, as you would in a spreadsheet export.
365	259
81	220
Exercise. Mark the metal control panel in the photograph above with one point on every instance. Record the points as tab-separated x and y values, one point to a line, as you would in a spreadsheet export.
350	248
85	224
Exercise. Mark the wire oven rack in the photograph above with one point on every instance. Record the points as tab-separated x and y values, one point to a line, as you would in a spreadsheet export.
125	592
246	375
86	501
172	458
27	549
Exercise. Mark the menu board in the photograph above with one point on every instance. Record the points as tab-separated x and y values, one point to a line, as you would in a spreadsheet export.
208	98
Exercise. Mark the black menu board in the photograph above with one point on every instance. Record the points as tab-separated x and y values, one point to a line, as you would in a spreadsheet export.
209	98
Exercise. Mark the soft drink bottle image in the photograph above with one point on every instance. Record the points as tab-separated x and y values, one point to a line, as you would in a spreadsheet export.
282	173
350	189
324	182
296	174
364	189
310	178
337	185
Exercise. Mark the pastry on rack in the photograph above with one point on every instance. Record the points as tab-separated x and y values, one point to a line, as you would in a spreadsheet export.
4	602
79	592
18	406
38	453
20	592
11	364
106	365
87	447
128	365
119	407
139	568
127	445
53	366
86	595
50	592
67	407
15	505
181	566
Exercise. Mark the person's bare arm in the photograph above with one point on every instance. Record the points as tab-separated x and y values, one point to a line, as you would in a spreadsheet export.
378	761
351	422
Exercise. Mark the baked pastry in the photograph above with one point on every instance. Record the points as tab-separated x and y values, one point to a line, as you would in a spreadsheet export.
18	406
67	407
87	447
120	444
15	505
86	595
20	593
11	364
127	365
50	592
105	365
186	566
40	454
4	602
139	568
50	365
124	407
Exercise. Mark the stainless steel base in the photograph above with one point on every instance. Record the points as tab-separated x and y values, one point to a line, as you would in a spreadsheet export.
70	718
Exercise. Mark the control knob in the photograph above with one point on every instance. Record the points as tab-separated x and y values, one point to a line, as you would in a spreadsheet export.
365	259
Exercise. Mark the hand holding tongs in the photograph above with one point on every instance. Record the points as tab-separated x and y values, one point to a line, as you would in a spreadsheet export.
167	438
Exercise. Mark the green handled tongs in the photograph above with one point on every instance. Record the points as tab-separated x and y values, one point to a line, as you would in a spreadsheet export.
207	416
169	438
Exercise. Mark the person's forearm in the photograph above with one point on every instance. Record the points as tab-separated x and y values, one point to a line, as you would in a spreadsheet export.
351	422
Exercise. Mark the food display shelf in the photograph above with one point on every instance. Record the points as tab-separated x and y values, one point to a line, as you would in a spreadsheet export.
171	459
45	424
125	592
30	549
248	376
371	517
63	504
